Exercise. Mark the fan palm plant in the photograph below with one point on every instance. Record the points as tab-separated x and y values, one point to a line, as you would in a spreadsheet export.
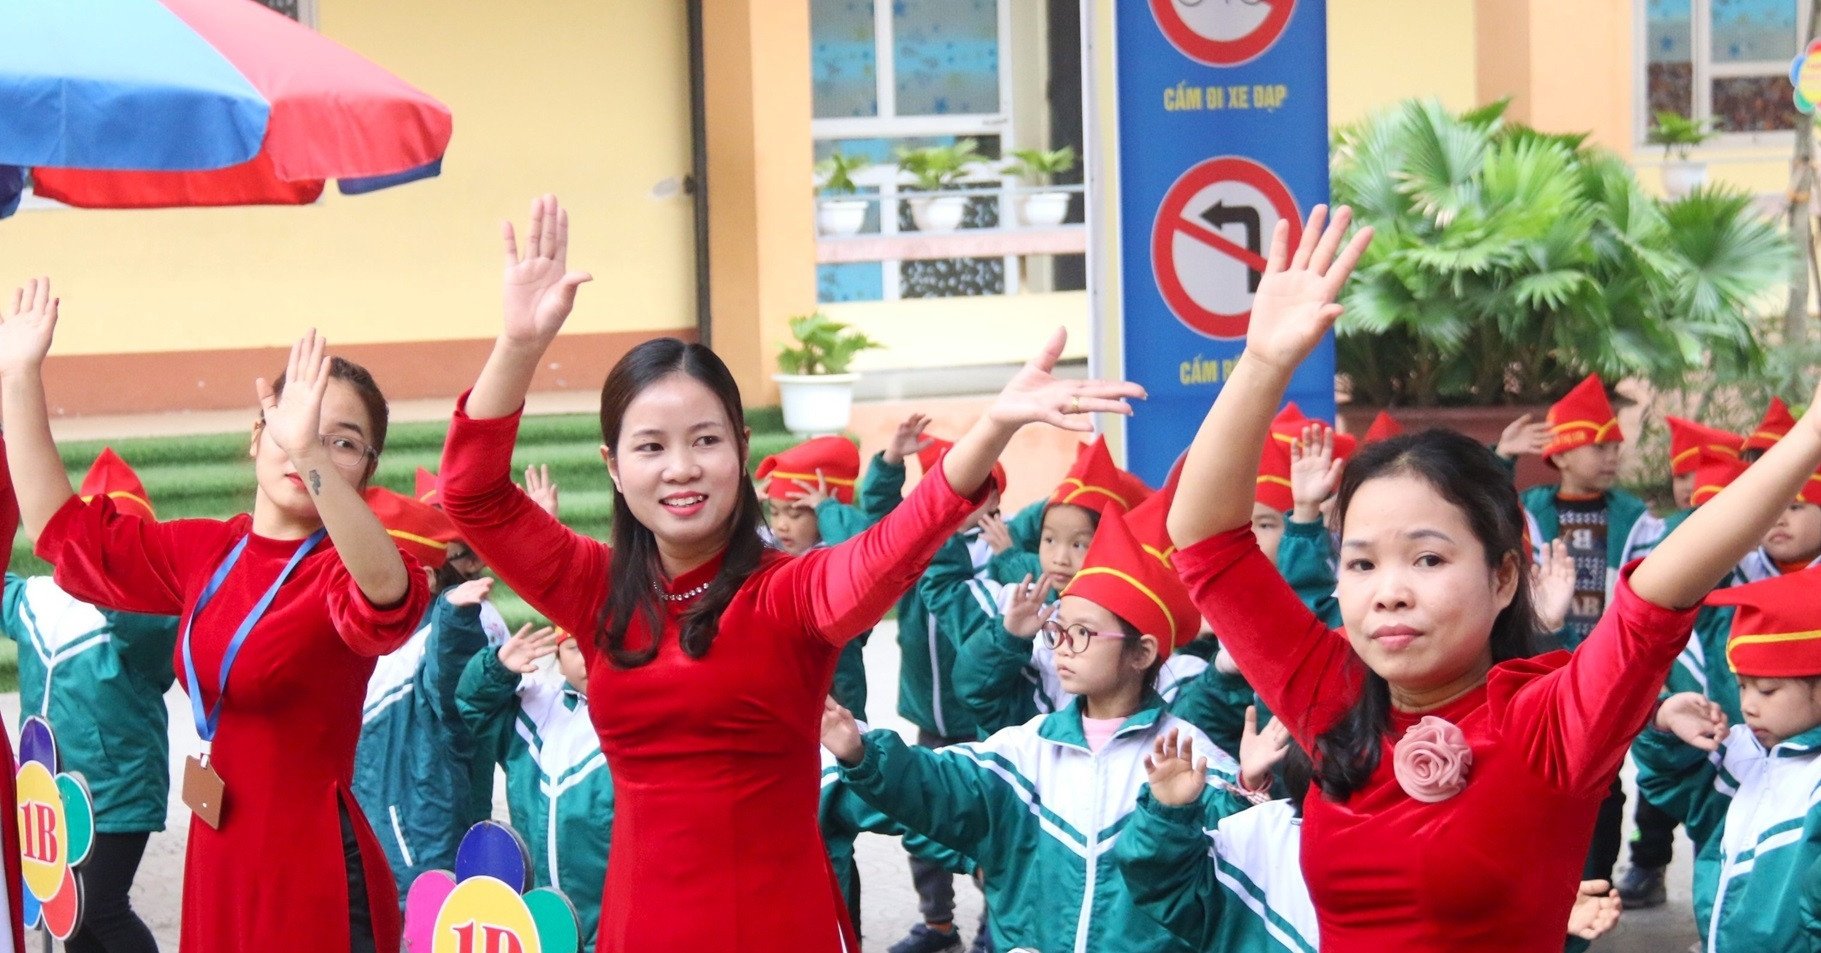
1510	262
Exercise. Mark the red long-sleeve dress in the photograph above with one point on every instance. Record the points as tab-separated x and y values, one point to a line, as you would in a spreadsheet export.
1496	866
273	878
716	761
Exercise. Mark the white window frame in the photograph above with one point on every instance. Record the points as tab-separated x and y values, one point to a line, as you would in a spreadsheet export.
888	125
1700	16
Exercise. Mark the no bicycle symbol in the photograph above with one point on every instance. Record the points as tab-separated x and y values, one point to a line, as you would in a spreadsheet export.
1210	239
1222	32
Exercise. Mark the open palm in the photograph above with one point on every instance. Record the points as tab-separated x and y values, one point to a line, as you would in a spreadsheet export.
25	333
1175	774
1295	304
1036	395
539	287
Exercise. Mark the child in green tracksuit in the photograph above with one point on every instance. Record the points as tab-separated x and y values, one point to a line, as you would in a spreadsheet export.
1035	805
98	677
533	720
1748	792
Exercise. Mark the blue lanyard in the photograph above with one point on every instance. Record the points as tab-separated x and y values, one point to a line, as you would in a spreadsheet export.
206	724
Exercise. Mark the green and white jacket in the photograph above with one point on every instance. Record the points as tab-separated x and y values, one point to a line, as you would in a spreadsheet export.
1758	875
558	788
1041	815
842	816
99	677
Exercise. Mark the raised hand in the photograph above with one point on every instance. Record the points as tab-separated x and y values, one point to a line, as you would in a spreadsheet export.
1024	616
993	529
1523	437
908	440
1693	718
1314	471
27	328
1260	751
471	593
541	488
1596	910
841	733
294	419
1552	586
1036	395
524	648
1295	303
810	496
539	287
1176	775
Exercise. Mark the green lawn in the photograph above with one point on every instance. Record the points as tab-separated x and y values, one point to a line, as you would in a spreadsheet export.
210	475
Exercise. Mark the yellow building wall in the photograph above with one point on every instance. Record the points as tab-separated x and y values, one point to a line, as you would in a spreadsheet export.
586	99
1382	51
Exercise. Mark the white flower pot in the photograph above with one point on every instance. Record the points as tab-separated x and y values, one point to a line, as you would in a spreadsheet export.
841	216
938	213
816	404
1682	177
1045	209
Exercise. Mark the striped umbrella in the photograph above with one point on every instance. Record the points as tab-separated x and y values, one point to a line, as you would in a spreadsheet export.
162	103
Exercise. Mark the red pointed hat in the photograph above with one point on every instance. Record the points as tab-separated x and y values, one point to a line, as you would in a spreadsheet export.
429	488
1148	522
1582	419
111	477
1288	426
1714	471
1384	427
1687	439
1811	491
1274	477
794	470
1777	423
1095	481
1121	577
417	527
1776	632
931	455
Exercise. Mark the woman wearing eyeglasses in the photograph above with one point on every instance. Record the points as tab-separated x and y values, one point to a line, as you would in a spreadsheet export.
1051	881
295	600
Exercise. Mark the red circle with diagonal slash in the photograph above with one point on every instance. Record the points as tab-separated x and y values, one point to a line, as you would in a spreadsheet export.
1172	218
1204	49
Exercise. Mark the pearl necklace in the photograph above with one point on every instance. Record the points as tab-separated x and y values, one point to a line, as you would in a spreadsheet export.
680	596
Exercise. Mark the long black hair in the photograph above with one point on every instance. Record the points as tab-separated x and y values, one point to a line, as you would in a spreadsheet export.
634	572
1467	475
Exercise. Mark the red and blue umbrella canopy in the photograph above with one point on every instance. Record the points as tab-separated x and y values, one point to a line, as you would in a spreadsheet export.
162	103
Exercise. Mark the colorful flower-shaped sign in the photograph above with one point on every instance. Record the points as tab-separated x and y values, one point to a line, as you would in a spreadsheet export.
483	906
56	830
1805	76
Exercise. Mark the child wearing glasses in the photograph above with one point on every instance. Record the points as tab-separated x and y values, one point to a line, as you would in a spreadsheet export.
1038	806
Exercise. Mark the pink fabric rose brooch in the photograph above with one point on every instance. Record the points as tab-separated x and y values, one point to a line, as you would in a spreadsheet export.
1431	760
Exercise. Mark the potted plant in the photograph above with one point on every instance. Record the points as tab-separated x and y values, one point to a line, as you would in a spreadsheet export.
933	169
1038	167
814	383
1508	263
838	212
1678	135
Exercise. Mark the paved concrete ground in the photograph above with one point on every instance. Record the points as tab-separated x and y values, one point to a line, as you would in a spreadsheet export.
889	905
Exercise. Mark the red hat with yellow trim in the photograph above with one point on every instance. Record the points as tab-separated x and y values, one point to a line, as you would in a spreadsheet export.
417	527
1811	491
1777	424
1288	426
1274	477
1776	632
1687	439
429	488
1122	577
794	471
1384	427
1584	418
931	455
1149	521
110	476
1714	471
1095	481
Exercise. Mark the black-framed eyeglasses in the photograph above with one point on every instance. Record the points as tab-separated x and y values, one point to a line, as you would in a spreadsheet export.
1076	636
347	452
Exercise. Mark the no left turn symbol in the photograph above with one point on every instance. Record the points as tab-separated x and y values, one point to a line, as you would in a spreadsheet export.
1209	242
1222	32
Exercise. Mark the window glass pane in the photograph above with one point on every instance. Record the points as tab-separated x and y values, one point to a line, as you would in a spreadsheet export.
946	56
1753	103
287	7
1669	60
954	277
850	281
1753	31
843	59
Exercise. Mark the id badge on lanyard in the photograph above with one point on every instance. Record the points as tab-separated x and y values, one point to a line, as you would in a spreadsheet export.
203	789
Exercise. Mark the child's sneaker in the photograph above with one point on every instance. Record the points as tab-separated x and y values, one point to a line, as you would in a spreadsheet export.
924	939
